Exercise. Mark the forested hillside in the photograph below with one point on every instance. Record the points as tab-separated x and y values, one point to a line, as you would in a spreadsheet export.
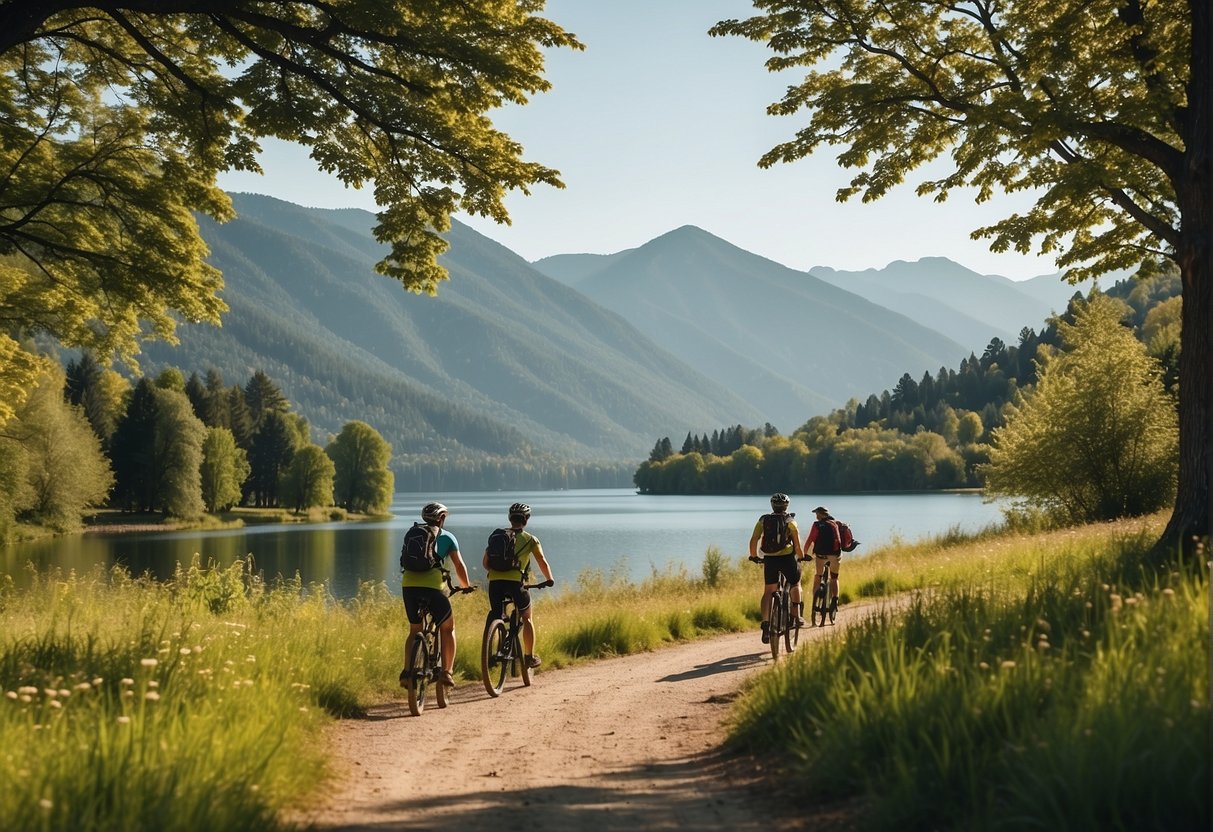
925	432
505	378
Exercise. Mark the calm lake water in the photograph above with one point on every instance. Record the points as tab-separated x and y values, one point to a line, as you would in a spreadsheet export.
615	530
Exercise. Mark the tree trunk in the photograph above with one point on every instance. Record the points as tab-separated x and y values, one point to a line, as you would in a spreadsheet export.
1190	520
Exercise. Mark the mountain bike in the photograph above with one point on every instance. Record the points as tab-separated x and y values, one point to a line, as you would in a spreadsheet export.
822	604
423	656
782	624
501	649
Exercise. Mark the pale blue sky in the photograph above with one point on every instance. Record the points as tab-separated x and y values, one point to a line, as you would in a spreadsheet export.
655	126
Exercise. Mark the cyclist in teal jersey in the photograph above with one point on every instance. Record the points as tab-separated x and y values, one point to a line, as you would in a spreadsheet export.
416	586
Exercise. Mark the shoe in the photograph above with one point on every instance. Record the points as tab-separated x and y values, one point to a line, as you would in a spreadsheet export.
834	605
766	633
798	622
446	678
533	662
406	679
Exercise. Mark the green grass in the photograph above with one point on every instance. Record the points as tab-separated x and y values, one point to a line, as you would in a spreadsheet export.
198	702
1043	682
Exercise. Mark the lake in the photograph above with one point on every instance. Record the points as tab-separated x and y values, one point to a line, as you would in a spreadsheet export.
615	530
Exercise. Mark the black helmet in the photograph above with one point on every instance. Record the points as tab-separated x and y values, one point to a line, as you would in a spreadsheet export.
779	500
520	510
433	513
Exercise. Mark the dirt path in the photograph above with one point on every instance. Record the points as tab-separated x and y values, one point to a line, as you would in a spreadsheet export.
624	743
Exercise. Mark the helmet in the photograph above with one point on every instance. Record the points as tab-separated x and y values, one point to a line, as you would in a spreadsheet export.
520	510
433	513
779	500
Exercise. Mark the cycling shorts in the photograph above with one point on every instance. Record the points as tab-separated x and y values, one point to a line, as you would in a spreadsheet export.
833	561
500	590
772	565
417	596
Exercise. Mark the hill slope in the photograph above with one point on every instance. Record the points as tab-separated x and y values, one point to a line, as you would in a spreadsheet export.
791	344
505	361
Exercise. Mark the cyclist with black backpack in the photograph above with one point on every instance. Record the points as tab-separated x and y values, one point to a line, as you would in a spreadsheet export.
776	534
427	547
507	559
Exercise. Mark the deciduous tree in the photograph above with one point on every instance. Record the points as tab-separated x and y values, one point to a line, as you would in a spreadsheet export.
224	469
362	481
1102	108
1096	439
308	481
116	117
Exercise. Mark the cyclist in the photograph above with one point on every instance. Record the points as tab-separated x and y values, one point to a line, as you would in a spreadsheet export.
826	545
428	586
780	541
509	583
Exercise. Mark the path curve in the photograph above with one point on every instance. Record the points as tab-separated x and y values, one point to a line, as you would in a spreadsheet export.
624	743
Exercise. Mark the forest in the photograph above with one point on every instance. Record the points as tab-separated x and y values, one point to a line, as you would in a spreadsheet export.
931	433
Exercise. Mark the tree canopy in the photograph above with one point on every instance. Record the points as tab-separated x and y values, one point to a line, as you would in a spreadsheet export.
116	117
1100	108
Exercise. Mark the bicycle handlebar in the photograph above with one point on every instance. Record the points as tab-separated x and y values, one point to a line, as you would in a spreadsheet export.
539	585
452	589
756	559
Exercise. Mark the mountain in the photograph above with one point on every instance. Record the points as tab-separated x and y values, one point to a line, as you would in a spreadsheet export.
972	308
572	269
788	342
504	361
1056	293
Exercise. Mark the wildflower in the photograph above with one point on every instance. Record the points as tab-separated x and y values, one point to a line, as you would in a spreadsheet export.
1007	664
1168	592
250	659
55	703
1117	602
26	698
149	662
12	694
45	804
153	684
124	720
51	693
27	690
127	682
152	696
97	682
984	665
184	651
82	686
197	648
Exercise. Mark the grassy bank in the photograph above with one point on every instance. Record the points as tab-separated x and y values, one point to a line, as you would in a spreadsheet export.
1047	682
197	702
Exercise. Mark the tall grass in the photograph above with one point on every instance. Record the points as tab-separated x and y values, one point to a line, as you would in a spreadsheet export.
1060	685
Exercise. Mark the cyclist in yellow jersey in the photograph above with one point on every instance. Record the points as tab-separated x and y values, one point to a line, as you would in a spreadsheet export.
428	585
508	583
781	553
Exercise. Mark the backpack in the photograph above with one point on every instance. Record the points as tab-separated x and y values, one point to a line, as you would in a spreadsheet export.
420	550
828	537
775	532
502	551
846	541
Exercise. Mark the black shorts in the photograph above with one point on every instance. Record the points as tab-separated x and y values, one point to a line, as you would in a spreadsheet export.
500	590
772	565
416	596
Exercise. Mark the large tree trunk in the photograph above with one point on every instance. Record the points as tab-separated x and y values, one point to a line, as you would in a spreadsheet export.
1193	511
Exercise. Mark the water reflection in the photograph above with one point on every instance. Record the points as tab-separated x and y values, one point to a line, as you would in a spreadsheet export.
608	529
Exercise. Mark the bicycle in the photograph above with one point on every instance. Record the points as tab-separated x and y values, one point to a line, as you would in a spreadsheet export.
822	607
782	622
501	648
423	656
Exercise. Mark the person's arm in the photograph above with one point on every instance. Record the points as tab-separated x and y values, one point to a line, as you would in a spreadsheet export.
484	561
808	541
537	552
754	538
461	570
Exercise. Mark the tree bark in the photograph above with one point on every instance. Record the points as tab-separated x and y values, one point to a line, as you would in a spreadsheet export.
1190	521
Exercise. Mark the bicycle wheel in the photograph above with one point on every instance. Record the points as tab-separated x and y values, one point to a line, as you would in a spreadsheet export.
819	606
777	624
524	671
833	609
494	657
415	663
793	637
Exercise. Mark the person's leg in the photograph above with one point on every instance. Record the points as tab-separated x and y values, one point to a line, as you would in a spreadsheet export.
834	579
446	635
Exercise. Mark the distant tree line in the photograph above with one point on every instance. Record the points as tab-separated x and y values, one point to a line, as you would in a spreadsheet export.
180	447
932	433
